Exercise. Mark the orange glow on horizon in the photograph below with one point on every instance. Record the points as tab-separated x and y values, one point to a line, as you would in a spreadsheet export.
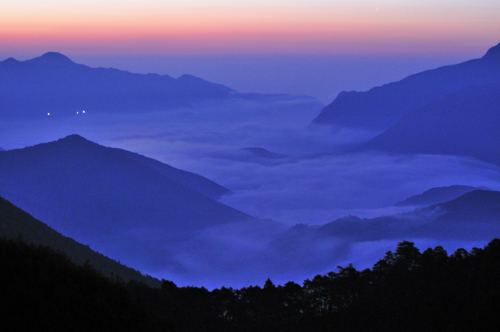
251	30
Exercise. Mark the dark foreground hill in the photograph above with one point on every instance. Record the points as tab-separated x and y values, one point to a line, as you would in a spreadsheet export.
43	290
407	290
382	107
15	223
54	84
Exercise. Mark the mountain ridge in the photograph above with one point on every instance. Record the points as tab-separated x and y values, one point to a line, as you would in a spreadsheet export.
53	83
436	195
54	58
15	223
383	106
462	123
110	198
213	190
474	215
493	53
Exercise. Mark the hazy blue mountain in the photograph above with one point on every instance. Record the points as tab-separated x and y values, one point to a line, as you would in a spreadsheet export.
101	195
436	195
15	223
263	153
477	206
382	107
465	122
54	84
1	149
472	216
256	155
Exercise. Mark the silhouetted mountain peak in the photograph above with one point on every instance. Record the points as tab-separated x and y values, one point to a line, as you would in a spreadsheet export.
478	199
10	61
74	140
187	77
437	195
493	53
380	108
263	153
53	58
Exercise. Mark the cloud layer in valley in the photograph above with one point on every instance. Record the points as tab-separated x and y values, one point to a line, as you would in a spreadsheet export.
304	175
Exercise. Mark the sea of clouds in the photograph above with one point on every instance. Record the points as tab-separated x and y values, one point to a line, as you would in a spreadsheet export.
305	175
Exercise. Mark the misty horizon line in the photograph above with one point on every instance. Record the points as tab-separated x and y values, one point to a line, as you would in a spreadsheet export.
274	73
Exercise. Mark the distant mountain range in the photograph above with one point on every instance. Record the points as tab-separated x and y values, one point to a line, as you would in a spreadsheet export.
472	216
152	216
15	223
436	195
54	84
382	107
263	153
465	122
109	198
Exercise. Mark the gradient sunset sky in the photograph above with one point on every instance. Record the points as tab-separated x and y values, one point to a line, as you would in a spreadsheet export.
202	27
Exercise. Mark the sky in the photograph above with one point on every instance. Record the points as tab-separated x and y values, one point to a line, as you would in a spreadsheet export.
247	27
317	47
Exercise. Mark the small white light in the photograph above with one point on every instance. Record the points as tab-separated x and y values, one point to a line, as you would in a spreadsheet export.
76	112
48	113
83	111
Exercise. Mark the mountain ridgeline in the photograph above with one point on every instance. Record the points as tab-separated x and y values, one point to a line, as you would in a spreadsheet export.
109	198
407	290
451	110
382	107
436	195
17	224
54	84
474	215
463	123
169	222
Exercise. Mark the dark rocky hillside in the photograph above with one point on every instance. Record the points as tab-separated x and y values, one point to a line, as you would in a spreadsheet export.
17	224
